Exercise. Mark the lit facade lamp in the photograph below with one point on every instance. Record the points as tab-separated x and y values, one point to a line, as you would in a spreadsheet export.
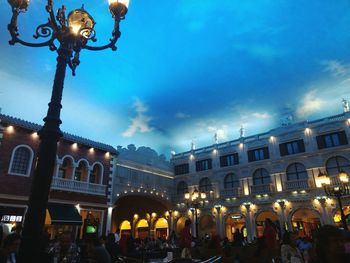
194	200
218	208
68	36
336	190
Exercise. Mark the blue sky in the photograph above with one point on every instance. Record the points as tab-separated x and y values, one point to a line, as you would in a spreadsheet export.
187	69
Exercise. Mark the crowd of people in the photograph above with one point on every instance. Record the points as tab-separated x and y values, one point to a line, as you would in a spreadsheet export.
327	245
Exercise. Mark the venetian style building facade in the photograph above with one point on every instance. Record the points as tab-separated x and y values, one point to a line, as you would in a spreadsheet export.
81	184
270	175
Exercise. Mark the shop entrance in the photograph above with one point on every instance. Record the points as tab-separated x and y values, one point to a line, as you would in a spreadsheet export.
305	221
125	228
161	228
142	229
206	225
180	224
337	217
235	223
142	206
260	222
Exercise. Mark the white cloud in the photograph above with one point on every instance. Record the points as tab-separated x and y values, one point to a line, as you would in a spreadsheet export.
141	122
310	103
335	67
220	132
261	115
139	106
181	115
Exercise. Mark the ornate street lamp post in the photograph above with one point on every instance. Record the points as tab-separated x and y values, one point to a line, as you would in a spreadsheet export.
194	201
282	203
72	33
337	190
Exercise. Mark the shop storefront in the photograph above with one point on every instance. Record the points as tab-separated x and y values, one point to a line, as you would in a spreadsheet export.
92	222
11	217
260	221
305	221
161	228
235	223
62	218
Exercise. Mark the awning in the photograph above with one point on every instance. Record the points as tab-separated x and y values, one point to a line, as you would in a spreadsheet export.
62	214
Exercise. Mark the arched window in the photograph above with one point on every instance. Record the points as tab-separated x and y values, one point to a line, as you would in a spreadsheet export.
205	185
182	188
231	181
81	172
336	164
21	160
63	169
96	174
296	171
261	176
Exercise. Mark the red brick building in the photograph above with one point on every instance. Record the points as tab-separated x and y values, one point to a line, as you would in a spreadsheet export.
81	184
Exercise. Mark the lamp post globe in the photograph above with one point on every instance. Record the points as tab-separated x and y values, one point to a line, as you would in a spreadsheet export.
337	190
195	200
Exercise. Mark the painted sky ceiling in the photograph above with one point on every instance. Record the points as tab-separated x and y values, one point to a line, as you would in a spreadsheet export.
187	69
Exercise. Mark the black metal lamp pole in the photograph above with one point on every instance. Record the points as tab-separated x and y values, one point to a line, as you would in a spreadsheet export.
72	34
338	190
194	201
342	215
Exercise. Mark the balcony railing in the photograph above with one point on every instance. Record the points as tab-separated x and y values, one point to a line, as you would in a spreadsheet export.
261	189
297	184
231	192
77	186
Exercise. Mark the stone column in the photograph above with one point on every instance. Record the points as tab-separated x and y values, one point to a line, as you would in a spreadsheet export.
249	225
324	212
109	220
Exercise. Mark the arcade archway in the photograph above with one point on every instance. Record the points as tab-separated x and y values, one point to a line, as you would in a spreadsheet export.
260	221
134	207
142	229
162	228
125	228
305	221
234	223
180	224
206	225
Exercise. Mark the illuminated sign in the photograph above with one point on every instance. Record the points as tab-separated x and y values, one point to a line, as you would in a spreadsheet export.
11	218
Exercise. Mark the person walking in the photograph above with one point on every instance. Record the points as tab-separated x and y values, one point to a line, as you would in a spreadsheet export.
270	241
289	250
186	240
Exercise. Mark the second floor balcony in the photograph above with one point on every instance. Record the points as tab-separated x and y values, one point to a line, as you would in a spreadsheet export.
77	186
231	192
261	189
301	184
